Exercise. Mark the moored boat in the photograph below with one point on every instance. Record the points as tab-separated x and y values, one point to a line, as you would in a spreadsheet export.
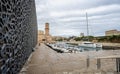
91	45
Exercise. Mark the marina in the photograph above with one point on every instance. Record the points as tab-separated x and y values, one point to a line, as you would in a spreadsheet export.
69	48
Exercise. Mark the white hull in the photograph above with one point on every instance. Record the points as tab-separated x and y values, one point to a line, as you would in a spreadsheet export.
59	48
91	45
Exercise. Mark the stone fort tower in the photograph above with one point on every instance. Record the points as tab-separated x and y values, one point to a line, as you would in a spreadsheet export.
45	37
46	29
48	37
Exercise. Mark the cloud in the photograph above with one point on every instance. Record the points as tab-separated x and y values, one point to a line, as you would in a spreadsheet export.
78	4
101	10
67	17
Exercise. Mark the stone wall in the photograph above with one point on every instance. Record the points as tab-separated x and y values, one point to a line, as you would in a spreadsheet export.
18	34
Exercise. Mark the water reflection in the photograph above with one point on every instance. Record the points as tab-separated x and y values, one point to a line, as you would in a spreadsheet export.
88	49
81	49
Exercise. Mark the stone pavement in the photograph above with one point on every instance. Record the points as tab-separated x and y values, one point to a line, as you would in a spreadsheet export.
46	61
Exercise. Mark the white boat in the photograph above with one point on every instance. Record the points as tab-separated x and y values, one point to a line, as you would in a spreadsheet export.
90	44
59	47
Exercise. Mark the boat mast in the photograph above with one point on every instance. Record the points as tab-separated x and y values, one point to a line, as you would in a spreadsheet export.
87	26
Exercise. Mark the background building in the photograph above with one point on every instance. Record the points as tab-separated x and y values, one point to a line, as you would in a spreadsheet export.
44	37
112	32
41	36
81	34
48	37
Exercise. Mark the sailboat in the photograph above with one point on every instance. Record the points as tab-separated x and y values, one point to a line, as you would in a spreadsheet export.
88	43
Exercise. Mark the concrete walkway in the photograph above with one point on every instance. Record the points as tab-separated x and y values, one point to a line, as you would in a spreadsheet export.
46	61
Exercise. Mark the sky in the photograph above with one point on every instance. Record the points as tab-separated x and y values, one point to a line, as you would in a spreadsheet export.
68	17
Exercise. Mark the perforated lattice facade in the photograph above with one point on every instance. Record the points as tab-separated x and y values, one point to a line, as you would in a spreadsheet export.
18	34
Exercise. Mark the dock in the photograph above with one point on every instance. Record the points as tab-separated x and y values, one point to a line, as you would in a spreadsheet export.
44	60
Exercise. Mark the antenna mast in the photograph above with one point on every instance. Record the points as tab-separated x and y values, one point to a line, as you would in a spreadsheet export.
87	26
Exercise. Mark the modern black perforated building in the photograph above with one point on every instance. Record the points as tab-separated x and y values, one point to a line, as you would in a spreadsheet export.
18	34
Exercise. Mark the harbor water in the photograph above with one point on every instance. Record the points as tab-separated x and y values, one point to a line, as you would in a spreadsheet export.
76	47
